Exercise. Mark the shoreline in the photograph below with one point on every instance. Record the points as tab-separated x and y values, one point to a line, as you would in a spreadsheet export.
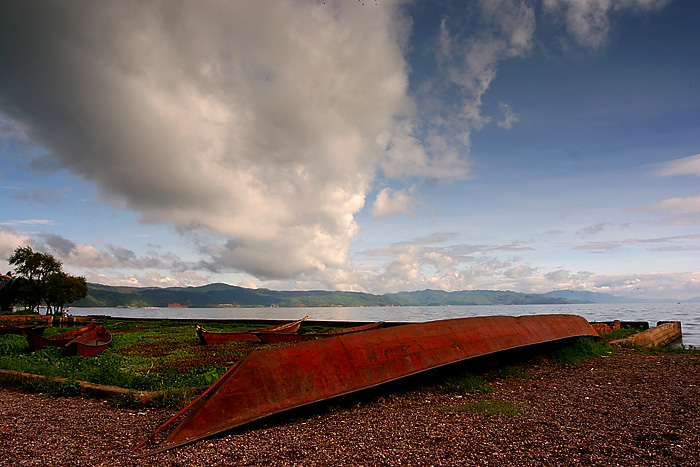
631	408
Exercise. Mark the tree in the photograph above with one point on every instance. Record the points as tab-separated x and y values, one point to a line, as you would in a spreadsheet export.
7	294
39	278
18	290
62	289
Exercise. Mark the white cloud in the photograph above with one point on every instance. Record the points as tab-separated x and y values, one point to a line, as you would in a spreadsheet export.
264	128
592	229
519	271
151	279
18	222
248	285
390	202
509	117
435	142
686	166
471	61
599	246
589	20
258	124
10	239
638	286
677	210
677	206
107	264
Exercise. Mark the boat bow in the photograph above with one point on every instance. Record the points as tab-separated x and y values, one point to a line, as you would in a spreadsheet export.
274	380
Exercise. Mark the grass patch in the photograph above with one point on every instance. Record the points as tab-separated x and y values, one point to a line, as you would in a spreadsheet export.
579	350
51	387
492	408
621	333
161	356
511	371
466	384
143	356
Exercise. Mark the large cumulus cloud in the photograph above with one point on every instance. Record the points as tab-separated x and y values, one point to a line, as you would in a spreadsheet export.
256	122
268	124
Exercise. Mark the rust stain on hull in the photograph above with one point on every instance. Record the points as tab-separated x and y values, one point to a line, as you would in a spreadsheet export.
275	380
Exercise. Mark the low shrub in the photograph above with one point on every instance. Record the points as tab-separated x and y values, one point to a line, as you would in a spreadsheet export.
67	388
580	349
13	344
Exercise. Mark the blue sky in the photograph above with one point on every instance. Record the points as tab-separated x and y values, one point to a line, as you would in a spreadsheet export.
385	146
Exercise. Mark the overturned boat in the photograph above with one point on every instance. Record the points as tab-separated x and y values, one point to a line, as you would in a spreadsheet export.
276	337
210	338
278	379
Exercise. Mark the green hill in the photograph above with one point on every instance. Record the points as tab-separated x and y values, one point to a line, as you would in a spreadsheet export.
224	295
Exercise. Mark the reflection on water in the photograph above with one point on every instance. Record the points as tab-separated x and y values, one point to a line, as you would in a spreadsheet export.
687	313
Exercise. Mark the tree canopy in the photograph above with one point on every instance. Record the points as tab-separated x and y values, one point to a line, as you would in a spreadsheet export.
39	279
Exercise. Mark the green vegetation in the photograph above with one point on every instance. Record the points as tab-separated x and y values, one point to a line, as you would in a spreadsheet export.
511	371
492	408
223	295
576	351
150	356
473	297
580	349
621	333
143	356
39	281
167	357
466	384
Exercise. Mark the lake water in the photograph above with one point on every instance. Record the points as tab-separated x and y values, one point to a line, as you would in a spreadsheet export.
687	313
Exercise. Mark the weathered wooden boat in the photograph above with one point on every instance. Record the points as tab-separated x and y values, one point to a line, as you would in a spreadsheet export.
276	338
22	330
278	379
90	343
37	341
210	338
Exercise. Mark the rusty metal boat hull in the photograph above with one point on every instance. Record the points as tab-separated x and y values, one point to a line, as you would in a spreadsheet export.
274	380
211	338
37	341
90	343
276	338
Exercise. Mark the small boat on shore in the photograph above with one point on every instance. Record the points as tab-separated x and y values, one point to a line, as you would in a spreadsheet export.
90	343
276	338
37	341
279	379
210	338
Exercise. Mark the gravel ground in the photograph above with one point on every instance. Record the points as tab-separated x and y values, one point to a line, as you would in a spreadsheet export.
628	409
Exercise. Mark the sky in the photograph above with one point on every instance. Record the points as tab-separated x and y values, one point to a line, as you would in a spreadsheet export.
370	145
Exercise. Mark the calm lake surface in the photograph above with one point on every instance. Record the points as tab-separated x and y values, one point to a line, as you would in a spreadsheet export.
687	313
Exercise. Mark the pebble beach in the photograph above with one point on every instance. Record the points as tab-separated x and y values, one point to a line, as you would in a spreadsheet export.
627	409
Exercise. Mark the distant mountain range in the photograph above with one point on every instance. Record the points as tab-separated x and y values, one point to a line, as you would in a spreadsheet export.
224	295
583	296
